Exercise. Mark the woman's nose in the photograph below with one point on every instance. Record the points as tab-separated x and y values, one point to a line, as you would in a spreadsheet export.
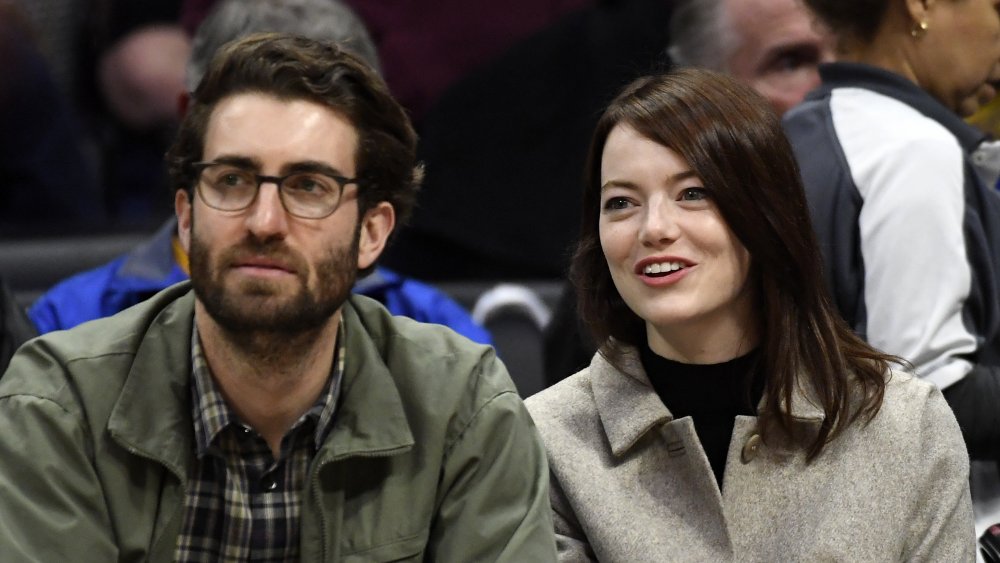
659	224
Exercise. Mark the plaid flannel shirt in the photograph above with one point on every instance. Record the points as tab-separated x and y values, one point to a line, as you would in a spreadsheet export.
241	504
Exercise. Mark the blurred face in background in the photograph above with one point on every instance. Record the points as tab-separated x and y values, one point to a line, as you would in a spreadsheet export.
776	48
959	53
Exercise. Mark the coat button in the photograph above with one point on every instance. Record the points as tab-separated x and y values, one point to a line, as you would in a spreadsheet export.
751	448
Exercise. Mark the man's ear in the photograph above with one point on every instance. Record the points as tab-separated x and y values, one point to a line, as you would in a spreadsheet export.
376	226
182	207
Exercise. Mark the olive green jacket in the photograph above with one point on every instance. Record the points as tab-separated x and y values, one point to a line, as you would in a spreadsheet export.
432	455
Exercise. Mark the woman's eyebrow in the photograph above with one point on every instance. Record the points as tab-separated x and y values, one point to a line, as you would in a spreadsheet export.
619	184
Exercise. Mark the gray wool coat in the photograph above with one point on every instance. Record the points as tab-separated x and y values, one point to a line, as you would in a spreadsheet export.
631	484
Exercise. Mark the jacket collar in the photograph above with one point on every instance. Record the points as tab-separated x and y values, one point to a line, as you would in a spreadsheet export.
153	260
371	419
629	407
377	282
152	416
858	75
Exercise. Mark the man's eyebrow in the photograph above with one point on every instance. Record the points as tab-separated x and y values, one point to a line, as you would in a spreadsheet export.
238	161
311	166
254	164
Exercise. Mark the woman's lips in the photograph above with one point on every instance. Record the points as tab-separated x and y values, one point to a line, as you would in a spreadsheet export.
663	271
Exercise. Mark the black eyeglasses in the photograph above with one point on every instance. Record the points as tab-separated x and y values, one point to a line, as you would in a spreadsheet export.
309	194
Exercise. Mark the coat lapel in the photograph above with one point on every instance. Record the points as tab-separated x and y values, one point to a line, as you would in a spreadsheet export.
626	402
629	407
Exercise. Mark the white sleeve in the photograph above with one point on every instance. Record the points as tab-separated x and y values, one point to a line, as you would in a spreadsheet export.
917	273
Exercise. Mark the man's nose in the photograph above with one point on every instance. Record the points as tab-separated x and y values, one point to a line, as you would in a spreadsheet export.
267	214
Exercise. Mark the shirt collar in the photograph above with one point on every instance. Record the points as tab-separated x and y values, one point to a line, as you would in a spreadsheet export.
212	415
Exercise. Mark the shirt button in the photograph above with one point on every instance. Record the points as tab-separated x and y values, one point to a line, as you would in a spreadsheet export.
751	448
269	485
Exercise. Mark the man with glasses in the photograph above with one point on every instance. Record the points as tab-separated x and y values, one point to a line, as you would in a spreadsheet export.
263	412
160	261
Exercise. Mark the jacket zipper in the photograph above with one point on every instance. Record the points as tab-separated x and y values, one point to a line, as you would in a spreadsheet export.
317	497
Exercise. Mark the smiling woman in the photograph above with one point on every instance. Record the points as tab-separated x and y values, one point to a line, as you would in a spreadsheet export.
670	253
728	396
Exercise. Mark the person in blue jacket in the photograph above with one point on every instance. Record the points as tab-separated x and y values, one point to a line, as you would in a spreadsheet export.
161	262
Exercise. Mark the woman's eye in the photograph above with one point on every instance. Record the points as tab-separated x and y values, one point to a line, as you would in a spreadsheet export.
693	194
615	203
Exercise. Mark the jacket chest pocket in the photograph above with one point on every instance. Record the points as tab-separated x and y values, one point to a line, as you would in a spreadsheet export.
405	549
385	510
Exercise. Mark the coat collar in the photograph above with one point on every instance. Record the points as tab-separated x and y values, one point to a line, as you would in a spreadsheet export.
152	416
629	407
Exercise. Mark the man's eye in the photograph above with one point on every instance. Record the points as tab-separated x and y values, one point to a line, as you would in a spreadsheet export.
795	59
232	179
228	177
693	194
309	184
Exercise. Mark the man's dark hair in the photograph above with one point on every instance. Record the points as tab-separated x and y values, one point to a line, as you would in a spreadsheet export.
292	68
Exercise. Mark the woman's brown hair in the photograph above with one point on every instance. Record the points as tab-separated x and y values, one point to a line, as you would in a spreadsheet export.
732	139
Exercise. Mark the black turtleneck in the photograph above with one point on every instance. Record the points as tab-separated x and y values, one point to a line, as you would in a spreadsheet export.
711	394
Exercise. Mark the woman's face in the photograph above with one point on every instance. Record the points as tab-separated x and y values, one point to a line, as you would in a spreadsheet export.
671	255
960	51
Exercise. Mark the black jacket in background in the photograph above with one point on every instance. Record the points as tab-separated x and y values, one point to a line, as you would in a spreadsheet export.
15	328
505	147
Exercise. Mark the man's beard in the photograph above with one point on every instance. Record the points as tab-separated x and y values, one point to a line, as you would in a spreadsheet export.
259	307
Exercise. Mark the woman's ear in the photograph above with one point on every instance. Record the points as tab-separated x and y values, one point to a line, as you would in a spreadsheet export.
919	12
